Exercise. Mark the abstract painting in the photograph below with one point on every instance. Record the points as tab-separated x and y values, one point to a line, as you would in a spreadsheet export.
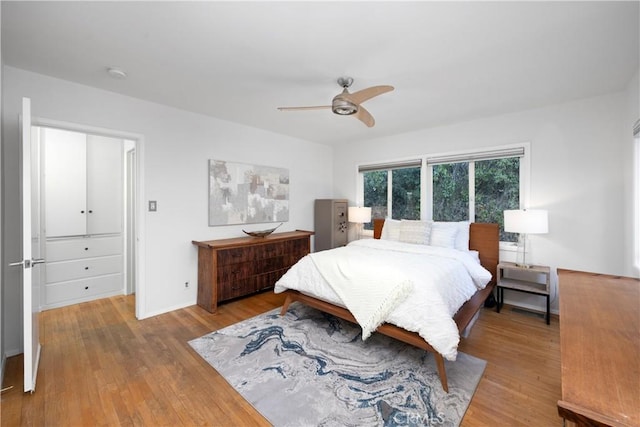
241	193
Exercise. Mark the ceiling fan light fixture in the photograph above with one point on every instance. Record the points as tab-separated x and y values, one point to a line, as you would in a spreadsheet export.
343	107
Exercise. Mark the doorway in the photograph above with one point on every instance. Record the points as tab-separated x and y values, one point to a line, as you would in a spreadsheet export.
112	255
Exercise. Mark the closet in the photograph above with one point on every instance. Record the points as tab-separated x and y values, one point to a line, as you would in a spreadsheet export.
83	215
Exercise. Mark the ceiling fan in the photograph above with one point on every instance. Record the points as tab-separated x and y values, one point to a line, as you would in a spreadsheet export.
347	104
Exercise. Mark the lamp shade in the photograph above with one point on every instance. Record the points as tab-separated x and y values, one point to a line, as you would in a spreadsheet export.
359	215
528	221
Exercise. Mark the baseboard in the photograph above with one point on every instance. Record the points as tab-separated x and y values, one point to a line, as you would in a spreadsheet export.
4	363
166	310
14	352
528	312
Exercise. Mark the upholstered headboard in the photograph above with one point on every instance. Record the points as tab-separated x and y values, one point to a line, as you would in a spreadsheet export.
483	237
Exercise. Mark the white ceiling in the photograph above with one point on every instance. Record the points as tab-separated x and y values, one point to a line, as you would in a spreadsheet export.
449	61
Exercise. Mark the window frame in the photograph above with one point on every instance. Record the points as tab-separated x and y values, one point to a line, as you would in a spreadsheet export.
389	166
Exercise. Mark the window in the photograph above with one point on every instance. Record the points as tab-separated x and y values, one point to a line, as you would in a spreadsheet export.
497	189
392	190
450	183
475	186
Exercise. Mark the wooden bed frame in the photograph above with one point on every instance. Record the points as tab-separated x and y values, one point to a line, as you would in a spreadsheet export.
483	238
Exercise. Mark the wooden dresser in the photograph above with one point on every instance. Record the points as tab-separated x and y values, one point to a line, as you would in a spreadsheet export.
600	349
231	268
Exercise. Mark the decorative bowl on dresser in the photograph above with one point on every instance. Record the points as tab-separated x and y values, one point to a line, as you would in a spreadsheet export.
231	268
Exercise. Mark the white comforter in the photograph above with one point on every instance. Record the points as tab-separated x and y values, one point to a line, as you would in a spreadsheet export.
443	279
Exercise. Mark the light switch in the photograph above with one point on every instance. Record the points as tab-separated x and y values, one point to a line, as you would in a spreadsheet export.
153	206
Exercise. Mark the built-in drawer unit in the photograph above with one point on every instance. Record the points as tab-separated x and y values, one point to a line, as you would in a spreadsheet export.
231	268
83	268
80	269
63	293
86	247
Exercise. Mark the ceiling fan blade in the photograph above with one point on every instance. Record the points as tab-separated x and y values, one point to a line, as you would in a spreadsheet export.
365	117
368	93
316	107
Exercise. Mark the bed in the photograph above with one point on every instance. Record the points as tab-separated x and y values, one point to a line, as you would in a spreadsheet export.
483	241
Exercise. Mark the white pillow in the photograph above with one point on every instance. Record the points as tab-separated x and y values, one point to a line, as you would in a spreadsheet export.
462	238
390	229
414	231
443	235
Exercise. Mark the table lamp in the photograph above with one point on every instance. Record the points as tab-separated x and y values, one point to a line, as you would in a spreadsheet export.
359	216
524	222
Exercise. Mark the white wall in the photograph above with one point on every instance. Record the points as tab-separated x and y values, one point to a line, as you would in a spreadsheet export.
578	159
176	147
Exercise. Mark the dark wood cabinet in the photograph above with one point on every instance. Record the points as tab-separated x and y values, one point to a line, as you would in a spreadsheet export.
231	268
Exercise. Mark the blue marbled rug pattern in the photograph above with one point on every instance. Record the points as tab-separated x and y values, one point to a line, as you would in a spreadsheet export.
308	368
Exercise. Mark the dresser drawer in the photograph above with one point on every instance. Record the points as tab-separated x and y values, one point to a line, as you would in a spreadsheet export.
268	280
243	270
298	247
83	268
88	247
251	253
236	288
83	289
234	255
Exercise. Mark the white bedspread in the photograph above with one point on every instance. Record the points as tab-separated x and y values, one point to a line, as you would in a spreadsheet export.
443	279
368	289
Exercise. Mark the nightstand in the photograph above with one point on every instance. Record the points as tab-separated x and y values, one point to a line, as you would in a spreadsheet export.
533	280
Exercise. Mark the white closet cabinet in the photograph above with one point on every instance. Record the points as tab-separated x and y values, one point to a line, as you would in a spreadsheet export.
83	183
83	204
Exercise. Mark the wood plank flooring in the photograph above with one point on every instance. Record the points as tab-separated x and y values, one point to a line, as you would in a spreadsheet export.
100	366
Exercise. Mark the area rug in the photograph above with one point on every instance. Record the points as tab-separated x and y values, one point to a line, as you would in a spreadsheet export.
308	368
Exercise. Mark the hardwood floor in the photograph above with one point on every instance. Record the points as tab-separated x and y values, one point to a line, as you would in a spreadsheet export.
101	366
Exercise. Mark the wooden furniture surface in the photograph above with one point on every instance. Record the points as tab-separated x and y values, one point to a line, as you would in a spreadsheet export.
484	238
535	279
600	349
231	268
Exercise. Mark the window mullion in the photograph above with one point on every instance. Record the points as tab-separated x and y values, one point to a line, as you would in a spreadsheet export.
389	194
472	191
426	194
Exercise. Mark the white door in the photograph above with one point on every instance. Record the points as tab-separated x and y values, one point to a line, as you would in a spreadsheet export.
104	185
31	269
65	182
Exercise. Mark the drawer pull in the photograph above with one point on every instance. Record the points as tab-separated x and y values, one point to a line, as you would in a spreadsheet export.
86	249
86	287
86	268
